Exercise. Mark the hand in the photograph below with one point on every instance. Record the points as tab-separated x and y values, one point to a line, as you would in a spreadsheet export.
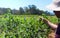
53	26
43	19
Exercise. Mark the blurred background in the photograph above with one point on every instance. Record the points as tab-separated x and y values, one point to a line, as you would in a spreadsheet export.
21	19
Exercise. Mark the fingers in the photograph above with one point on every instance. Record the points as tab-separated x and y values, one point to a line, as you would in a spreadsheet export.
41	19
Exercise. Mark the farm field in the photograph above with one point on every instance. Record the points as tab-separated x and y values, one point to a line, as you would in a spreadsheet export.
24	26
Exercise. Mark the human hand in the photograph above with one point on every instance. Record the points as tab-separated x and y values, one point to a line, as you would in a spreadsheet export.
43	19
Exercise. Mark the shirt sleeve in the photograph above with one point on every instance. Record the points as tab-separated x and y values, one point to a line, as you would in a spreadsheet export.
58	29
57	36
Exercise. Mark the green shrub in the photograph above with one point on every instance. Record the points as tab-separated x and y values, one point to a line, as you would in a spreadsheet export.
22	27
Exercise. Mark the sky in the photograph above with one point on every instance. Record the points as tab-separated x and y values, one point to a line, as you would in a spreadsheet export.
22	3
15	4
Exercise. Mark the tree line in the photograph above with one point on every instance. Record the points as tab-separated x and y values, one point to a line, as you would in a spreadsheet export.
30	10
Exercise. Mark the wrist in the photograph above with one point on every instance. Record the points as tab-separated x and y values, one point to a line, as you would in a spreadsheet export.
47	21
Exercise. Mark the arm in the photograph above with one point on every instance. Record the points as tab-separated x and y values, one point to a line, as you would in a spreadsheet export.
53	26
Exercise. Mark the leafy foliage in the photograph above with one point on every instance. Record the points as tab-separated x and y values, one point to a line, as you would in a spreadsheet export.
12	26
28	10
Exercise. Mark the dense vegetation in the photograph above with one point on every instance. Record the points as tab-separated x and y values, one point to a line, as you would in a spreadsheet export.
24	26
24	23
29	10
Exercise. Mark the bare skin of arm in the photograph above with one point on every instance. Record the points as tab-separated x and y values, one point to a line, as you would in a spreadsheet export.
53	26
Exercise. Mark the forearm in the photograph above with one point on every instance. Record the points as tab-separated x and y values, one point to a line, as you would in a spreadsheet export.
53	26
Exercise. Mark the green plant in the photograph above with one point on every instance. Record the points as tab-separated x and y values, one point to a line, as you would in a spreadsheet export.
14	26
